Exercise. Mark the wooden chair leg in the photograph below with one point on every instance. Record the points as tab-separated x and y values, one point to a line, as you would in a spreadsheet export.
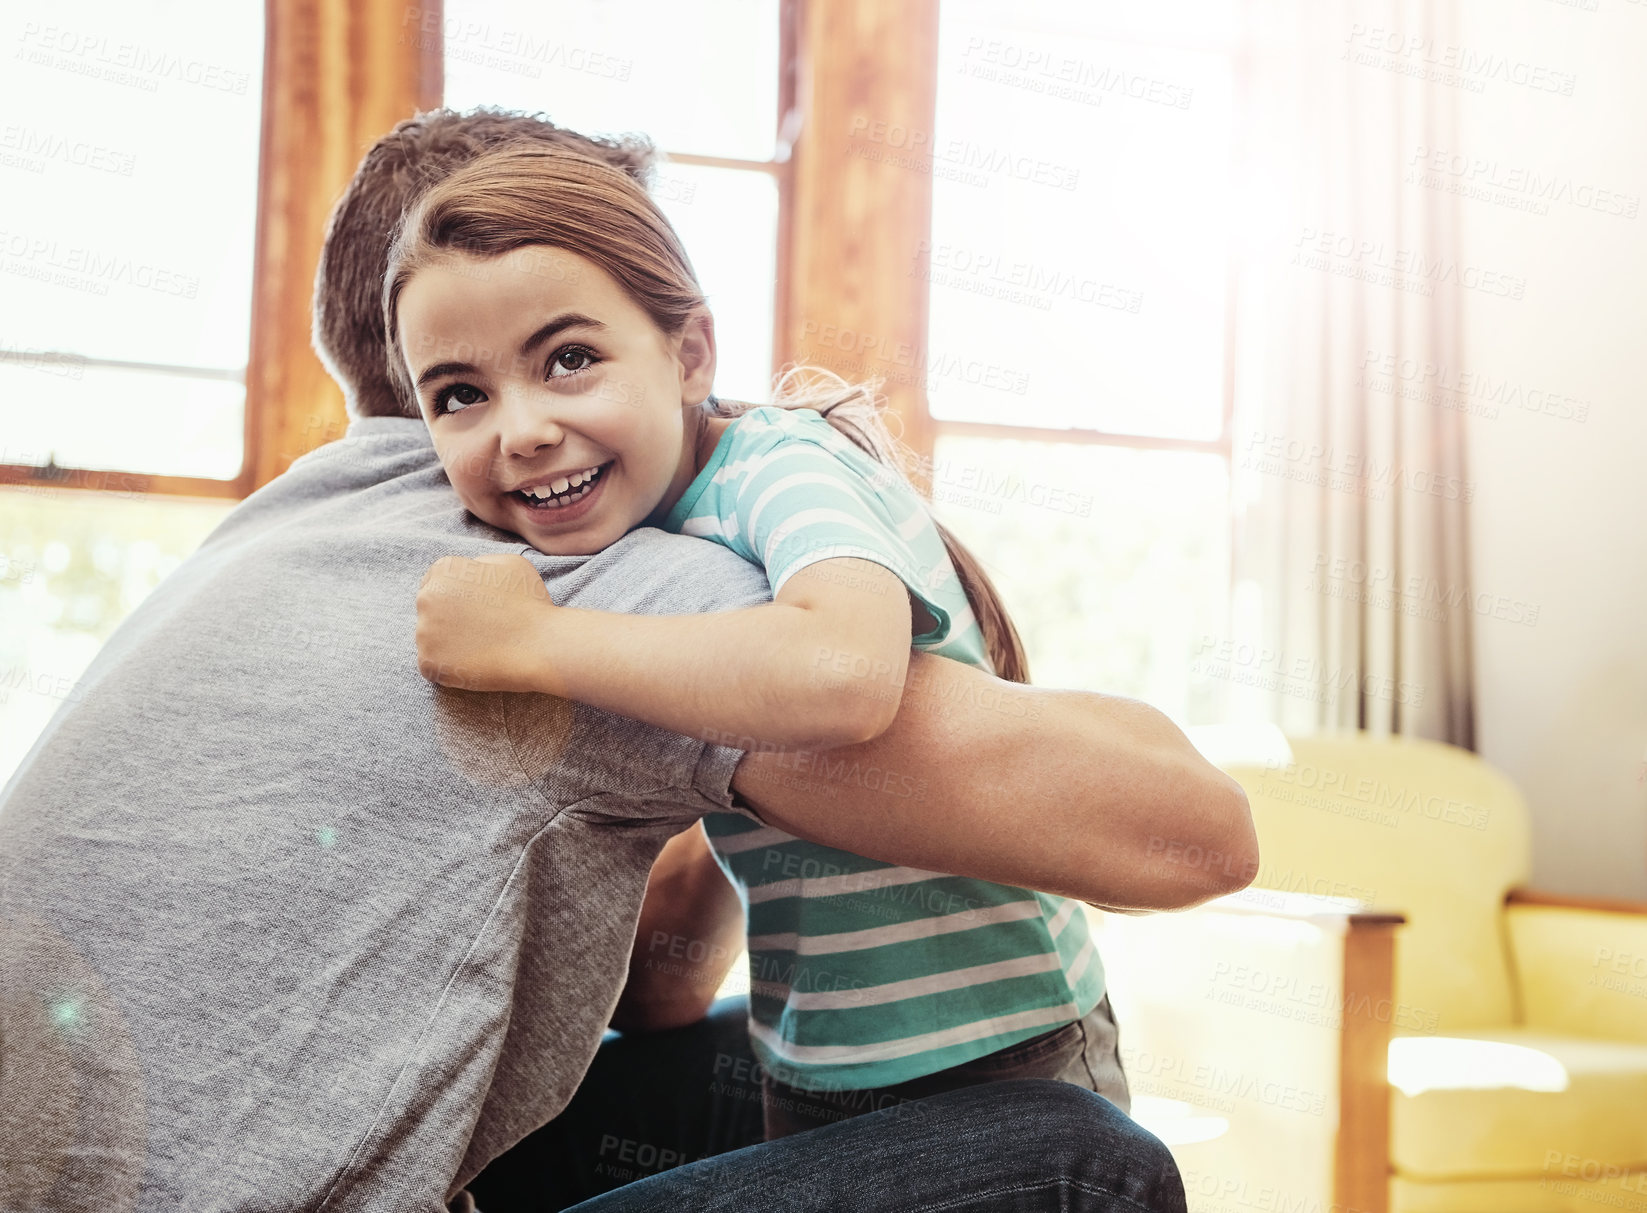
1361	1182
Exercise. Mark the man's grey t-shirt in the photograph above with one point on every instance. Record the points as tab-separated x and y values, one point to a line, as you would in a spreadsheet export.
284	926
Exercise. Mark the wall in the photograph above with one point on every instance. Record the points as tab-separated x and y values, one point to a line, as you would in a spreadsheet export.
1560	512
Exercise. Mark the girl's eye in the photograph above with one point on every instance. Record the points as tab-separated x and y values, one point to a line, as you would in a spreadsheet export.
456	397
581	354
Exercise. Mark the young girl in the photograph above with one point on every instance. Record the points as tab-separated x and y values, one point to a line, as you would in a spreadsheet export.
546	318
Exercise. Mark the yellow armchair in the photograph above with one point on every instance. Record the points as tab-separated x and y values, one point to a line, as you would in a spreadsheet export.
1387	1019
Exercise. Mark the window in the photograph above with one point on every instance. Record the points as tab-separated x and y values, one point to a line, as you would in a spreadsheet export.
1075	379
703	85
1078	270
130	160
72	564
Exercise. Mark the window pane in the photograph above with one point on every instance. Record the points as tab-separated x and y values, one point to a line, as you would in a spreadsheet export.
128	161
700	79
1113	563
1197	21
1079	228
77	415
728	220
72	565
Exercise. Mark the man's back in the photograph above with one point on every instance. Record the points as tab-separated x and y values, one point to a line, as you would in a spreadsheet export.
282	925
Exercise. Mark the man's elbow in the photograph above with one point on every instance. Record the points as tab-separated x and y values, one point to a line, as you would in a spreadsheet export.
1220	856
1241	846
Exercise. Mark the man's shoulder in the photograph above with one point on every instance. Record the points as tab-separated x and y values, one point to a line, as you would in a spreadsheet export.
654	572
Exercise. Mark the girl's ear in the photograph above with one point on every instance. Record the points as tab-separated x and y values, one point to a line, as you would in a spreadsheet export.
697	357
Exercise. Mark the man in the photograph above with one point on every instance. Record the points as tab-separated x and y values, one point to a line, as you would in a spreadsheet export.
282	925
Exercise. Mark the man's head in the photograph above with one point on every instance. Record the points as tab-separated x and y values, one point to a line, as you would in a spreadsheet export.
348	308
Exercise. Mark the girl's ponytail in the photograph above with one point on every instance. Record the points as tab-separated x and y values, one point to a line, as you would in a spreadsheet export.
856	411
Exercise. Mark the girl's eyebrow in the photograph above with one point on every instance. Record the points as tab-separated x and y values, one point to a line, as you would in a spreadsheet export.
565	320
443	368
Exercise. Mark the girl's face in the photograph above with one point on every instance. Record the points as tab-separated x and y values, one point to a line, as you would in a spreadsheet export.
555	403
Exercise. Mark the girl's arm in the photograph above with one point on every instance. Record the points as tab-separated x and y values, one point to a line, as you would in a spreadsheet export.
820	666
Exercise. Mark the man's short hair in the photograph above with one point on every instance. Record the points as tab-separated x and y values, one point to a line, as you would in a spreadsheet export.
348	307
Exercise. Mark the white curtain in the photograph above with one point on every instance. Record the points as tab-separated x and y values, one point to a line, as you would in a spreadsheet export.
1352	607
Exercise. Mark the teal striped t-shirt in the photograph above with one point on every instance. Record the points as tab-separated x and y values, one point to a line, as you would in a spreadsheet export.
862	973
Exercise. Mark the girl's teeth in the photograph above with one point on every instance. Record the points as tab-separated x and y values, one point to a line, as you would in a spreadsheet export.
556	505
558	494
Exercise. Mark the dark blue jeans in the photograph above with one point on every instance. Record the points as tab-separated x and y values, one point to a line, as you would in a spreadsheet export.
673	1121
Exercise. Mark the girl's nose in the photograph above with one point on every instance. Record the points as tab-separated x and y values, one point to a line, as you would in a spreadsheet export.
526	426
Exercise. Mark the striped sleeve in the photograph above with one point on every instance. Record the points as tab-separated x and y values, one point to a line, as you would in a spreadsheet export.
793	502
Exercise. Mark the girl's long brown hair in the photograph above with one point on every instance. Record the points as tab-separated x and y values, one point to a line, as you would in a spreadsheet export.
529	194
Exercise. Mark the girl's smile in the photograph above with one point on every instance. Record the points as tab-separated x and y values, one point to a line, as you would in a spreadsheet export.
562	500
554	401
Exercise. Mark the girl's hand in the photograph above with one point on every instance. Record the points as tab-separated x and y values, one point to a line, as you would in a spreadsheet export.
484	625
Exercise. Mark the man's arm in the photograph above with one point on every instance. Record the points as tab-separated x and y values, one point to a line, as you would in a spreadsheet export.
1095	797
691	930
